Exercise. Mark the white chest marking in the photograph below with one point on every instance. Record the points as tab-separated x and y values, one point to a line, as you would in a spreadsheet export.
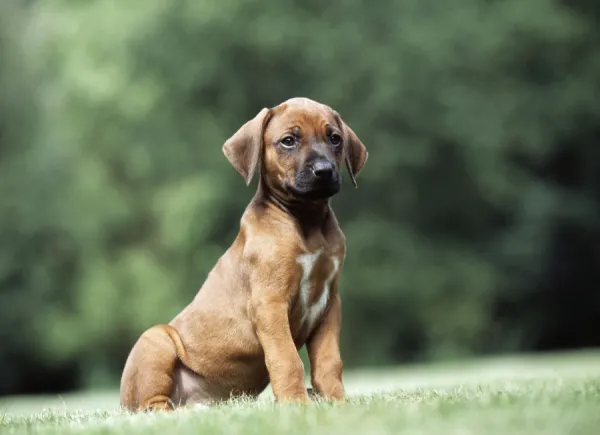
311	313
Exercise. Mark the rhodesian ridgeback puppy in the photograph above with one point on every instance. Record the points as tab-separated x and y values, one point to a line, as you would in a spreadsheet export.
275	289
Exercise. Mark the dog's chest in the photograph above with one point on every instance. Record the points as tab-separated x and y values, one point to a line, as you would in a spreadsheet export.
314	289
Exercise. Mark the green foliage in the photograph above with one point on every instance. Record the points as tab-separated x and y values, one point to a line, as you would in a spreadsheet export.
116	199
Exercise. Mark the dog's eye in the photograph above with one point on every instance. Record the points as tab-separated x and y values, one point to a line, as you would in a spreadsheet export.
335	139
288	141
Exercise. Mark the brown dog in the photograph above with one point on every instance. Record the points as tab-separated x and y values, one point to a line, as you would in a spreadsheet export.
275	289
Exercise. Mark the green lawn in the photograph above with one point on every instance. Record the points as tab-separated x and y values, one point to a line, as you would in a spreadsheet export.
526	395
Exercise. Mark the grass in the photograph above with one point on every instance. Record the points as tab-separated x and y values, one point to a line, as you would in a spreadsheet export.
525	395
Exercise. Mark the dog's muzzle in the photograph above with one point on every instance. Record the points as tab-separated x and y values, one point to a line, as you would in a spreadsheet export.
323	170
317	180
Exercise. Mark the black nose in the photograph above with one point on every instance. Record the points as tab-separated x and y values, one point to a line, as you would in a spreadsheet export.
323	169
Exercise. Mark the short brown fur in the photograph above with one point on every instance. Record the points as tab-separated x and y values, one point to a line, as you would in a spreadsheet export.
274	290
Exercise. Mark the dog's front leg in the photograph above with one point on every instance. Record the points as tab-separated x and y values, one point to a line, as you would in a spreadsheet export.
324	353
286	371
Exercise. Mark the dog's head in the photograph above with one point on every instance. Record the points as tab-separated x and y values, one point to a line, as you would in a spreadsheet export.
300	145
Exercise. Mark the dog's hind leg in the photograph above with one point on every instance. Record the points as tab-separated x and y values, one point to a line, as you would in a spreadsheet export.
148	377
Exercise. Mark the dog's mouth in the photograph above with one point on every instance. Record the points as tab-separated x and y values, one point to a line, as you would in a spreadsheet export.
314	189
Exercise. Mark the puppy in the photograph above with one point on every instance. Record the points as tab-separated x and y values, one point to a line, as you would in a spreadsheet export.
275	289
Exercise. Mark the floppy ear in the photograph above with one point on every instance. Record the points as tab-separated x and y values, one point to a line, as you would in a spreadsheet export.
243	149
355	153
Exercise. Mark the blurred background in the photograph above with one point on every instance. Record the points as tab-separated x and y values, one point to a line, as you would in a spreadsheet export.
475	228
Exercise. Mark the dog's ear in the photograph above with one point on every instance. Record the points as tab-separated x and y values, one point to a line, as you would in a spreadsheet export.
243	149
355	153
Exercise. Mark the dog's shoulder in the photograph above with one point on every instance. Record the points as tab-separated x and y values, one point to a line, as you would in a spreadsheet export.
266	238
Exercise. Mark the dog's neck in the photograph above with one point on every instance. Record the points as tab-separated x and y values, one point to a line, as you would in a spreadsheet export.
309	215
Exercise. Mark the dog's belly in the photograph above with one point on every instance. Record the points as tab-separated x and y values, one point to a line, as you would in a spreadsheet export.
190	388
240	380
